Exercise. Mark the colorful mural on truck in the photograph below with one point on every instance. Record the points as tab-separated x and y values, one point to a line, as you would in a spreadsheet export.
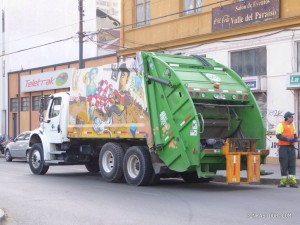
109	102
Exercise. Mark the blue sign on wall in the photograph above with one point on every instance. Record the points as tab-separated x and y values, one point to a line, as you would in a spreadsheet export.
252	84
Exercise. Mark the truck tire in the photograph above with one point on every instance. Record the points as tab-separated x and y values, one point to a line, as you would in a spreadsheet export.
8	157
93	166
191	177
36	160
137	166
110	162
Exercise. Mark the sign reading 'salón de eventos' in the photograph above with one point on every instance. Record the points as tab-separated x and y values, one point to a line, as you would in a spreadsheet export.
244	13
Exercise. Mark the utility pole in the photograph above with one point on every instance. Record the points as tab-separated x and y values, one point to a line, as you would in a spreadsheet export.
3	102
80	8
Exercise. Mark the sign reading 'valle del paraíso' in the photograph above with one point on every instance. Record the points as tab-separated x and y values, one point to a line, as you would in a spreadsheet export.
293	81
244	13
47	81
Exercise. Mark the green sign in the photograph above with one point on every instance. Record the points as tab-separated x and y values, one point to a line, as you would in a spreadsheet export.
295	79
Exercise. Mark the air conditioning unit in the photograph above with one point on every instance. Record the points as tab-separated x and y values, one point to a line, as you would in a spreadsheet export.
256	83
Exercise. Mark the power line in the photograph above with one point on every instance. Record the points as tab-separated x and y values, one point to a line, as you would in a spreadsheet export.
89	35
167	15
48	31
38	46
123	26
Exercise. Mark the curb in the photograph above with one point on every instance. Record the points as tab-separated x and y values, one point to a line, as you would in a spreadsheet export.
265	181
2	214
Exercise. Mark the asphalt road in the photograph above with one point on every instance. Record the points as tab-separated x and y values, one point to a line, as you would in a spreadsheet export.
70	195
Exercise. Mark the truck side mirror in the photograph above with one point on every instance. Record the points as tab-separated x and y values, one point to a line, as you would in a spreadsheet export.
41	109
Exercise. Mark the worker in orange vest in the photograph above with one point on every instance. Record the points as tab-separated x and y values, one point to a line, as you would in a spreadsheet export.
286	135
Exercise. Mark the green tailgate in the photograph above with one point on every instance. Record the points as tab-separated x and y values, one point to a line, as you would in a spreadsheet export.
190	100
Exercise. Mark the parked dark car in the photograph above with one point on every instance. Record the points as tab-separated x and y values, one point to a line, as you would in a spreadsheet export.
18	148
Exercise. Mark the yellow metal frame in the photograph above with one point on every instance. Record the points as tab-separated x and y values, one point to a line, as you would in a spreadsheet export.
233	151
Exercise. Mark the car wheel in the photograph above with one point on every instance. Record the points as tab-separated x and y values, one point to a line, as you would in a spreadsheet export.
36	160
110	162
8	157
137	166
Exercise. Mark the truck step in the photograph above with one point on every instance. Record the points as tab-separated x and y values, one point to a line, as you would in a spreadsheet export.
57	152
54	162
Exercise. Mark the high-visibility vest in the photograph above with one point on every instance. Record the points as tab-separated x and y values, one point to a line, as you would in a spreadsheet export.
288	132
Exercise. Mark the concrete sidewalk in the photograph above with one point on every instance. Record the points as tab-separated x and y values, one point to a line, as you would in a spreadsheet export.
276	176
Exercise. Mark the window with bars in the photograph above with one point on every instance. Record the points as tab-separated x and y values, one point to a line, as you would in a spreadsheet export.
14	104
298	56
142	12
25	103
35	103
192	6
251	62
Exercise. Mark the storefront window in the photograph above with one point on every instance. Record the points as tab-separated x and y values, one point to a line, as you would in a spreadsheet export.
142	12
25	102
251	62
192	6
35	103
14	103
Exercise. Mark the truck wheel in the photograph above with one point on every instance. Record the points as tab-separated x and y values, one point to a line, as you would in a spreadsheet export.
36	160
93	166
192	177
137	166
8	157
110	162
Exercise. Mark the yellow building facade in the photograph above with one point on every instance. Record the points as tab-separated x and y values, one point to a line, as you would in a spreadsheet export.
169	24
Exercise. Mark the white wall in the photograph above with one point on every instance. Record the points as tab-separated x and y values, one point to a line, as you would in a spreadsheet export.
30	23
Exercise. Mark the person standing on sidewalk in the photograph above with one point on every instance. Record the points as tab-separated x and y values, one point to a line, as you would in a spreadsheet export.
286	135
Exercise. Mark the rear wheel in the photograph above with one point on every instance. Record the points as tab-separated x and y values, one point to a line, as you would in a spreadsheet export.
110	162
8	157
137	166
36	160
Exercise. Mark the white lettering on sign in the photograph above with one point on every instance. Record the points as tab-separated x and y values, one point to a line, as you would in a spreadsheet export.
213	77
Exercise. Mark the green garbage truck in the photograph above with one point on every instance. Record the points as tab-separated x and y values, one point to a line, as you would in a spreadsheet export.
160	115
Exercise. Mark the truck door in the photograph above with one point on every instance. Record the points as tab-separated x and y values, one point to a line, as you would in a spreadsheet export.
52	126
